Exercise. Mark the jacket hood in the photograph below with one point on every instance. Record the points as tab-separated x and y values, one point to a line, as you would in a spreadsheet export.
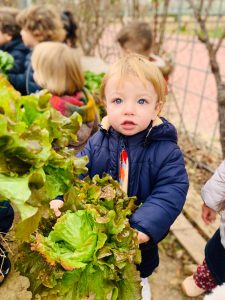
161	131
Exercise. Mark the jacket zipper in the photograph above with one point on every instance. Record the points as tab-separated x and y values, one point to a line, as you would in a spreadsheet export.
123	147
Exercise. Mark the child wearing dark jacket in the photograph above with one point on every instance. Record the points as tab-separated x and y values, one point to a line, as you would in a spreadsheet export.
39	23
211	272
10	39
139	149
137	37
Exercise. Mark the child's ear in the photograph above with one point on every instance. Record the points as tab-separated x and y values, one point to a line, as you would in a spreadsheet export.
158	108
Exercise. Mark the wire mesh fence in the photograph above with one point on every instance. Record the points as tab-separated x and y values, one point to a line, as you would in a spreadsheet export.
193	85
192	101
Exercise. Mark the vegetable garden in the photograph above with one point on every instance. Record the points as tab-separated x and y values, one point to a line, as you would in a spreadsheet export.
90	251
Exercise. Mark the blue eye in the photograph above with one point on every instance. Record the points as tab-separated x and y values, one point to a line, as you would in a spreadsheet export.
141	101
118	101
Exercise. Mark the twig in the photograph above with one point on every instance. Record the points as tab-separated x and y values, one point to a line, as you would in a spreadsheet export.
219	42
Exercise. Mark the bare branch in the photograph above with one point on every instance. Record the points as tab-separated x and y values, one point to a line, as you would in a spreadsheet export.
201	5
205	39
216	48
202	24
194	8
155	31
207	9
163	25
136	9
215	69
93	20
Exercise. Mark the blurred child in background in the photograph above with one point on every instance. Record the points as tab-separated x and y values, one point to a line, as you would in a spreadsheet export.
10	39
137	37
212	271
39	23
61	74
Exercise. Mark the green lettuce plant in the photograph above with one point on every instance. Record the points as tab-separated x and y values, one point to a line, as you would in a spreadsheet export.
91	251
36	163
93	83
6	61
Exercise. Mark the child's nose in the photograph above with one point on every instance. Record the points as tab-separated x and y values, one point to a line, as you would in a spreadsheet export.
129	109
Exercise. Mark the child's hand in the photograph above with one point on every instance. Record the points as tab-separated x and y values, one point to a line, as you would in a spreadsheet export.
55	205
142	237
208	214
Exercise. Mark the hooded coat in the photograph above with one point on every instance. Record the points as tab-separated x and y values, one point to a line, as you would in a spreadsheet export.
19	52
213	194
24	82
157	177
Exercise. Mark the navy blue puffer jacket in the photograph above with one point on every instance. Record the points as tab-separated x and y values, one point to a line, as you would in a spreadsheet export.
157	175
19	52
24	82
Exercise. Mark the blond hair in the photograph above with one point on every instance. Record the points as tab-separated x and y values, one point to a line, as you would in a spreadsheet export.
139	66
43	22
8	23
136	37
57	68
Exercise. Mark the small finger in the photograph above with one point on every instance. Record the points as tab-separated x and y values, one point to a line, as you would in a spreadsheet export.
57	212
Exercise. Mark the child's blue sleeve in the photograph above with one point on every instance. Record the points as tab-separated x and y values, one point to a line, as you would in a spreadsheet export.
160	209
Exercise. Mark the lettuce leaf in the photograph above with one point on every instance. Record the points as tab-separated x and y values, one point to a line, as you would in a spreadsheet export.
71	243
35	163
92	243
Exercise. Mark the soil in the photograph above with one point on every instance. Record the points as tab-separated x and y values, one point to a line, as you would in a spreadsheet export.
15	287
166	281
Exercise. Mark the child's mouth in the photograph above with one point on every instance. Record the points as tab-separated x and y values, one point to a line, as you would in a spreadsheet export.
128	125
